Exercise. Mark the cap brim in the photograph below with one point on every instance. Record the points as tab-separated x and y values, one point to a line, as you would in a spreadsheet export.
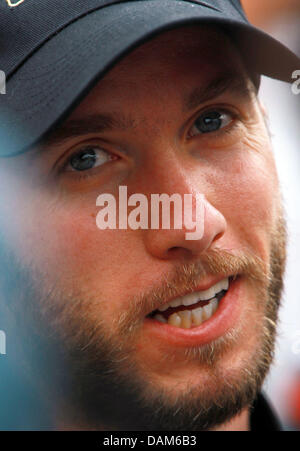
52	82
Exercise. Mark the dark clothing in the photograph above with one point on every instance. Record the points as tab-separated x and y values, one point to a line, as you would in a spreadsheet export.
263	417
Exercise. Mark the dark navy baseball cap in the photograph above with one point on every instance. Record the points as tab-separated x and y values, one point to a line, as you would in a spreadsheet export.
54	51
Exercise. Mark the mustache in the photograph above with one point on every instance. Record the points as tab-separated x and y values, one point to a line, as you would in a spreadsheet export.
186	277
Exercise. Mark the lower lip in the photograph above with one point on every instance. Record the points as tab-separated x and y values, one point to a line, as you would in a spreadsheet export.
225	317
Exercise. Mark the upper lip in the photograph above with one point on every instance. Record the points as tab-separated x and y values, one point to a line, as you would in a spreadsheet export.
201	287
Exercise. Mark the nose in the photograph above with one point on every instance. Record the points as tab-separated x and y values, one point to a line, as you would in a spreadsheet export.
172	243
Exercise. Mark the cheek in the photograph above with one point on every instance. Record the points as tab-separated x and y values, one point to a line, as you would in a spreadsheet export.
252	189
71	241
81	260
59	240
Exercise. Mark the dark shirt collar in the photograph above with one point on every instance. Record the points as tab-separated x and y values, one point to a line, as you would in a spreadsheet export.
262	416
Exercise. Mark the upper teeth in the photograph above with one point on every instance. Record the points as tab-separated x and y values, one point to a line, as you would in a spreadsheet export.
197	296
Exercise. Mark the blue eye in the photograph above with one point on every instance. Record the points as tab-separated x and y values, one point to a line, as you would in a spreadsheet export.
211	121
88	158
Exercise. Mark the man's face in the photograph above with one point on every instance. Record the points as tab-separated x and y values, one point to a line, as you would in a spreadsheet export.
183	118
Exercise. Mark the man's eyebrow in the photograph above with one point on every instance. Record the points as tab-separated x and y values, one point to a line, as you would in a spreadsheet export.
234	83
99	123
89	124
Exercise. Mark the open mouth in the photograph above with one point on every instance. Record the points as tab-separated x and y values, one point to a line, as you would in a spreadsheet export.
192	309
